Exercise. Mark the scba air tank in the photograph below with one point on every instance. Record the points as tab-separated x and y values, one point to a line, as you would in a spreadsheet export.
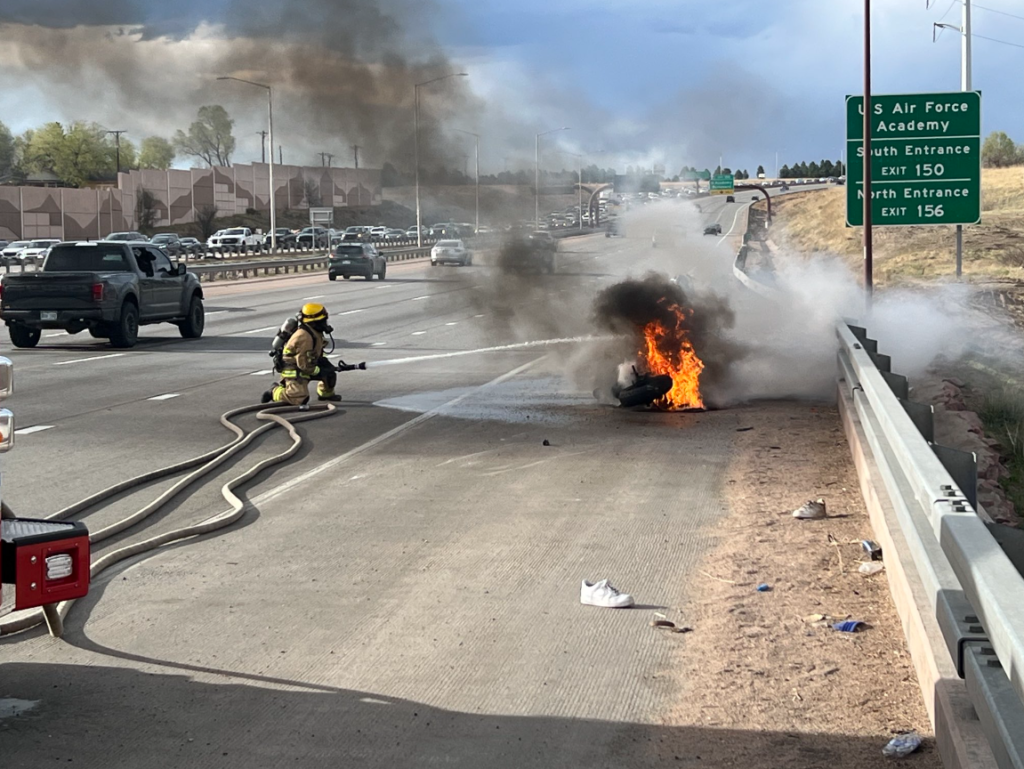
283	335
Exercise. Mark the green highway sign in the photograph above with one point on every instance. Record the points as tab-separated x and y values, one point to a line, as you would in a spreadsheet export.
925	159
722	184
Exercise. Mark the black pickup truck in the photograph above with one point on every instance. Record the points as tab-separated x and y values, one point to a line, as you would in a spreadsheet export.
108	288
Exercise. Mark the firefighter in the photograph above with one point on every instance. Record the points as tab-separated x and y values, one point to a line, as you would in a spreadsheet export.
303	361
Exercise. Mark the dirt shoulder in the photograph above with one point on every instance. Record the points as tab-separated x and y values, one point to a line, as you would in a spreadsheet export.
783	689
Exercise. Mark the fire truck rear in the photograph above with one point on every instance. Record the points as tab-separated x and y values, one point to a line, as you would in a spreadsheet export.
42	562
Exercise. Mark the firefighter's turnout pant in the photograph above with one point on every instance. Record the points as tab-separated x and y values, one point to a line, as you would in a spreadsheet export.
294	385
304	363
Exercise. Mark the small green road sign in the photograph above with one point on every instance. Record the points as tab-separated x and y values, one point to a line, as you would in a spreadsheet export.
925	159
723	184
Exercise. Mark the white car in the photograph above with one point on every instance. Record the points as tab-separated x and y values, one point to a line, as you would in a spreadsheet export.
238	237
10	253
450	252
36	251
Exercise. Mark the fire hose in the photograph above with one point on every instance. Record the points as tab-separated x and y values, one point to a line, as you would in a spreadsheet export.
53	615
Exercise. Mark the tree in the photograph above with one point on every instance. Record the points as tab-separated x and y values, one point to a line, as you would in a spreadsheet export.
76	155
8	152
760	171
156	152
206	222
784	172
145	209
209	138
311	191
999	151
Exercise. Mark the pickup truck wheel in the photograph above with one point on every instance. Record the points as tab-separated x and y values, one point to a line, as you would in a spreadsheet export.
331	276
125	332
383	271
193	325
24	337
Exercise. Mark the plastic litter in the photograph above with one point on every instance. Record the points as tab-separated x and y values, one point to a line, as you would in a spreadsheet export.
763	587
811	510
902	746
546	442
872	549
848	626
871	567
662	623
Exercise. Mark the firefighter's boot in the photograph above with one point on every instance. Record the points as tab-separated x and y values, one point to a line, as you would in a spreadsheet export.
324	394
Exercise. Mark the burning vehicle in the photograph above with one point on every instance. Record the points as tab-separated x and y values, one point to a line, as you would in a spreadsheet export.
664	328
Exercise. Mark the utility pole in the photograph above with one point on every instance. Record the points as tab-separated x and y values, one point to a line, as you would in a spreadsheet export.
868	251
263	146
355	150
325	158
280	155
117	144
965	85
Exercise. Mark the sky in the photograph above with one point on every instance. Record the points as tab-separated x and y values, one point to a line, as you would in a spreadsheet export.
677	82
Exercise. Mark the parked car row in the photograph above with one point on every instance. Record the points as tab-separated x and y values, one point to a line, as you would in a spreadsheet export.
25	251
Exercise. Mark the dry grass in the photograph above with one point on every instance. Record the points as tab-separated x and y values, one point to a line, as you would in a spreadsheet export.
815	222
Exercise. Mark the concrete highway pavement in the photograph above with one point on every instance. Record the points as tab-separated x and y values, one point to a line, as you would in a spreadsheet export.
405	593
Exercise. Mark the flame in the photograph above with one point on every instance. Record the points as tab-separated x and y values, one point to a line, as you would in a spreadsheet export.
669	351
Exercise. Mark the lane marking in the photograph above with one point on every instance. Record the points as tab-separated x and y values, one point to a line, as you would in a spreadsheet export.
59	333
479	316
301	480
310	298
734	220
351	312
86	360
378	344
33	429
216	312
260	330
165	397
418	298
453	323
265	372
418	333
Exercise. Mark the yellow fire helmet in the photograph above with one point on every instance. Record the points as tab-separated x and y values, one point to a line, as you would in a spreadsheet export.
313	312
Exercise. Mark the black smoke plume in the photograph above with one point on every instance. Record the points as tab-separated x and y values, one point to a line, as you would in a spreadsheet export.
343	71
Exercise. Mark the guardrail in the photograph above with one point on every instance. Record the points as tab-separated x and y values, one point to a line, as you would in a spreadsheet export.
233	270
975	592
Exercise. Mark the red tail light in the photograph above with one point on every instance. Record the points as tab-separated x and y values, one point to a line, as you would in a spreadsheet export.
97	292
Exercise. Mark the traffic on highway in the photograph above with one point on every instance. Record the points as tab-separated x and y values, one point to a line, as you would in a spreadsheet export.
468	384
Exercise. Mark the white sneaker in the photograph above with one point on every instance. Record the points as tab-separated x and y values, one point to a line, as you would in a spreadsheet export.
811	510
603	594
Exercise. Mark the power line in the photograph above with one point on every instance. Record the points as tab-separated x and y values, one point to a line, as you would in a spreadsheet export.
993	40
1001	13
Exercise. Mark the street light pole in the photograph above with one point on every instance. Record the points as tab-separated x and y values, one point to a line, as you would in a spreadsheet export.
416	145
536	174
270	120
477	138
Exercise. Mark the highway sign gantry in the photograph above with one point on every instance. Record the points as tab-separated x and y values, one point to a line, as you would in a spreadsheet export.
723	184
925	159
